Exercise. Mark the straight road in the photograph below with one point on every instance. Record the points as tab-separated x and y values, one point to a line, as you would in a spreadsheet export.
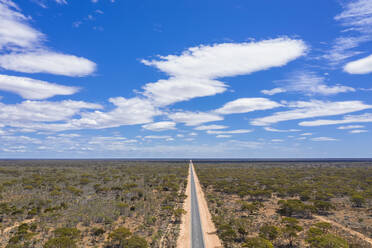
197	239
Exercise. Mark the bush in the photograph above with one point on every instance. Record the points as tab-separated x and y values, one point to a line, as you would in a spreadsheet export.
136	242
357	200
327	241
258	242
269	232
67	232
123	238
60	242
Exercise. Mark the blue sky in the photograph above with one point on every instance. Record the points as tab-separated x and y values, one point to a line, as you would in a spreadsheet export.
147	79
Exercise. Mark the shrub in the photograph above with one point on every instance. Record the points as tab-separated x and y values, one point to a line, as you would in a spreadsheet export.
357	200
71	233
327	241
258	242
60	242
269	232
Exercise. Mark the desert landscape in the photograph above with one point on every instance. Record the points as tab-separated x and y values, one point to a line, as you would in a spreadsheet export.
117	203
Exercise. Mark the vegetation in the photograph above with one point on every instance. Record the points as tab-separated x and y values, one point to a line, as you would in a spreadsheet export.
279	204
90	203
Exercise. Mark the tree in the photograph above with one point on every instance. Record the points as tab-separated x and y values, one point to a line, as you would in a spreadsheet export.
290	229
65	237
327	241
136	242
322	206
178	212
294	207
120	236
324	226
258	242
72	233
269	232
227	233
357	200
61	242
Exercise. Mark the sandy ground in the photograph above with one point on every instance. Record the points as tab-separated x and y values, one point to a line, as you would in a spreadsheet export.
352	232
211	239
184	238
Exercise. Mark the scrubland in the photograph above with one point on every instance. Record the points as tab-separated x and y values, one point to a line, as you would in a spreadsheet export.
290	204
97	203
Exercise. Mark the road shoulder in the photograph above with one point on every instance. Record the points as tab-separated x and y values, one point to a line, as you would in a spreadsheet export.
184	238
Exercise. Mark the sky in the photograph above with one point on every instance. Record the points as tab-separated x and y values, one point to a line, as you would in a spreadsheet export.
185	79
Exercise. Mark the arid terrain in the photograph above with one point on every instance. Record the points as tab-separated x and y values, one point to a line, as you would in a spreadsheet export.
290	204
138	204
80	203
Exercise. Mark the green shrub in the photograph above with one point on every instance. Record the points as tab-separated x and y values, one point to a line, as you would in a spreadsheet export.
258	242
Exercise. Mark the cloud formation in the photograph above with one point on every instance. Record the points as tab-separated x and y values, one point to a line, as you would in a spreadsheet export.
245	105
314	108
194	72
360	66
366	117
160	126
194	118
34	89
43	61
308	83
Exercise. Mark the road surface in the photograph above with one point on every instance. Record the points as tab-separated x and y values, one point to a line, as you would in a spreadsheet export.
197	239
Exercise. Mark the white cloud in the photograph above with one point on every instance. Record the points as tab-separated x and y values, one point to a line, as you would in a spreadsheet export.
245	105
230	59
166	137
350	127
47	62
306	134
324	139
238	131
28	53
357	15
165	92
14	29
360	66
277	140
342	48
41	111
33	89
358	131
310	83
61	1
193	73
130	111
210	127
314	108
160	126
367	117
357	18
223	136
273	91
270	129
193	134
194	118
